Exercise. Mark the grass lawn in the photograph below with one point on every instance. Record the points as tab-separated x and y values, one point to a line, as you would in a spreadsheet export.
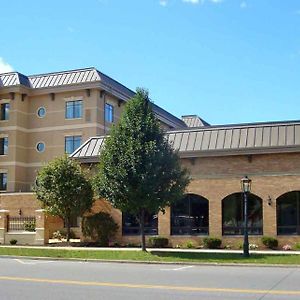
154	256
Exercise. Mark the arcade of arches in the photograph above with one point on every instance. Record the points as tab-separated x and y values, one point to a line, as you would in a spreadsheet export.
190	217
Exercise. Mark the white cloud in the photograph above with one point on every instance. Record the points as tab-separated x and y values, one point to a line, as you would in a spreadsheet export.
192	1
243	4
4	66
163	2
202	1
70	29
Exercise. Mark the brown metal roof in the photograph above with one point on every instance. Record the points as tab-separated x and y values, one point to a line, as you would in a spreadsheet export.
83	76
219	140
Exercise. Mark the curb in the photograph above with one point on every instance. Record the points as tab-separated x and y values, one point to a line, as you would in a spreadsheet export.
95	260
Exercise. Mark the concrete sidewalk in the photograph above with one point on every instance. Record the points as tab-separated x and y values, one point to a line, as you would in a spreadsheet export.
154	249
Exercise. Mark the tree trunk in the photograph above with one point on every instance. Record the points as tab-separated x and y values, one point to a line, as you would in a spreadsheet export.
68	221
142	226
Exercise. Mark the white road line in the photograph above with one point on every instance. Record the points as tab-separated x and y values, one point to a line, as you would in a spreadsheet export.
32	262
178	269
23	262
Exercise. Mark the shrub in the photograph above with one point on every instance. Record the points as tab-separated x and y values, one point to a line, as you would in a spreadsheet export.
212	243
13	242
297	246
29	226
100	227
158	242
270	242
190	245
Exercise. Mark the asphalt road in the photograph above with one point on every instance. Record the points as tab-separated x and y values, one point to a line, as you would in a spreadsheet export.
40	279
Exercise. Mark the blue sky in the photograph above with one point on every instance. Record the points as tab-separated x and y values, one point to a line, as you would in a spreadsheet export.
228	61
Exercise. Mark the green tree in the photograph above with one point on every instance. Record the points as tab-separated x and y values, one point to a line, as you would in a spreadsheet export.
64	190
139	171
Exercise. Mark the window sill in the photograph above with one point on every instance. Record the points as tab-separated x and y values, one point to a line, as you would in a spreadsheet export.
74	118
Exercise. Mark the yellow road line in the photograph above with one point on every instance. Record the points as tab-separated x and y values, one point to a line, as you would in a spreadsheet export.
149	286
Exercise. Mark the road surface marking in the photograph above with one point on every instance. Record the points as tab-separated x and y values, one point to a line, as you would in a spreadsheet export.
178	269
148	286
23	262
26	262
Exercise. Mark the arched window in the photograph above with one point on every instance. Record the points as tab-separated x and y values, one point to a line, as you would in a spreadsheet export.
233	215
131	224
288	214
189	216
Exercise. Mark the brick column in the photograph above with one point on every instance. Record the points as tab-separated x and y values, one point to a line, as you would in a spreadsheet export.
164	223
269	217
215	217
41	231
3	224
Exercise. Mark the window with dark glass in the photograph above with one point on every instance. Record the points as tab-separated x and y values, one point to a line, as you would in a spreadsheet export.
288	214
3	181
74	109
233	215
189	216
131	224
4	114
72	143
4	146
109	113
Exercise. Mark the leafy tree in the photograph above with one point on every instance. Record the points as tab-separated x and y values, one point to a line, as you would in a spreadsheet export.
139	171
64	190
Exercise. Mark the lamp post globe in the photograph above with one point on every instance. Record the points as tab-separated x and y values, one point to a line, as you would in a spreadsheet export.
246	188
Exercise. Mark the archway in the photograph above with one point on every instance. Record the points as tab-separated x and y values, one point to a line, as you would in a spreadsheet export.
233	215
288	213
189	216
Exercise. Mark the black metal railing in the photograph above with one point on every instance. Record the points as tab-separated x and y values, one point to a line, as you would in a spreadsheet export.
189	230
288	230
21	223
135	230
239	230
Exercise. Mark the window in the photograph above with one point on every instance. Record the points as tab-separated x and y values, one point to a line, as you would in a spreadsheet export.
72	143
4	146
4	111
41	112
233	215
74	109
3	181
131	224
189	216
288	214
109	113
40	147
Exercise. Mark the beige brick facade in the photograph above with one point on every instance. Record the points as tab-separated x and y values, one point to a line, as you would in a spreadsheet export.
213	178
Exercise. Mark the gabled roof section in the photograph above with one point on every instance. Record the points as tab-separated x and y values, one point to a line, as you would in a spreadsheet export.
194	121
13	79
222	140
64	78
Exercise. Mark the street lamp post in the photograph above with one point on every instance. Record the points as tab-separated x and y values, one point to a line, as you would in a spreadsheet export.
246	188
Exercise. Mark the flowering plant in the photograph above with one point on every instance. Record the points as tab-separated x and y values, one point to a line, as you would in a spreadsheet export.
253	246
287	247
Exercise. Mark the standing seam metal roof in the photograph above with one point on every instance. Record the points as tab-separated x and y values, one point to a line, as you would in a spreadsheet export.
220	140
80	76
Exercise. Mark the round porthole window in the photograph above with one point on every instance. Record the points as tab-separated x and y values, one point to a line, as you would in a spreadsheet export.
41	112
40	147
